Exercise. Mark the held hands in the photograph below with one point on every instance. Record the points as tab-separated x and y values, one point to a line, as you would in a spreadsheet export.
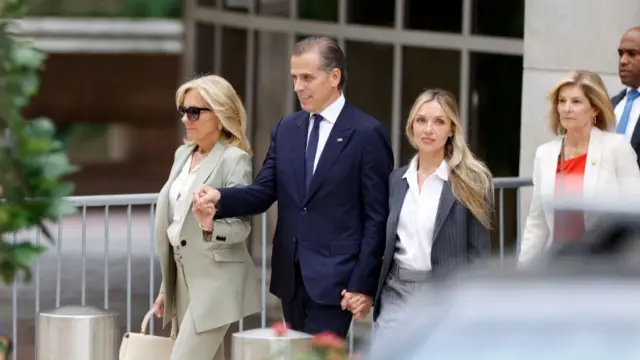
204	200
358	304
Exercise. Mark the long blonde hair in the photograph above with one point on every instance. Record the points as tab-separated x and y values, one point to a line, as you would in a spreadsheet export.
470	179
223	100
594	90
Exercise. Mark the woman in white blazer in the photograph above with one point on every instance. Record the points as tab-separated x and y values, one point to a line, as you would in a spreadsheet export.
588	160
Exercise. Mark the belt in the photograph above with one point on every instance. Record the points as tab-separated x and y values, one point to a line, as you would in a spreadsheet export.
410	275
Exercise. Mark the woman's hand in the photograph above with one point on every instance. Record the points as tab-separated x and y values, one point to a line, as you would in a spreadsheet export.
159	306
204	213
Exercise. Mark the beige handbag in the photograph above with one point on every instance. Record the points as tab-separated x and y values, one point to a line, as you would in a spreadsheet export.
142	346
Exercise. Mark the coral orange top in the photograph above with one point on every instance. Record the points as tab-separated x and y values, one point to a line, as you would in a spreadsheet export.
573	221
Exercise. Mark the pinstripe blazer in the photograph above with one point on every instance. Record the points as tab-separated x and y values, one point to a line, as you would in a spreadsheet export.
458	236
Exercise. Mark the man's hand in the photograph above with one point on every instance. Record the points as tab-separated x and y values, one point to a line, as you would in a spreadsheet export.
205	194
204	214
358	304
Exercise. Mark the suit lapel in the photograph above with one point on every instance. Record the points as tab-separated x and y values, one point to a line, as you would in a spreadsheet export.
399	192
592	167
446	203
162	205
298	150
616	99
207	165
548	169
337	141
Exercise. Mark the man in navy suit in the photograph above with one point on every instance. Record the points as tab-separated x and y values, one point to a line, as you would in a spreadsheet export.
627	102
328	167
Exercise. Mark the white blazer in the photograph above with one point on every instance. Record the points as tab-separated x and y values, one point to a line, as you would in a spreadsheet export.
611	168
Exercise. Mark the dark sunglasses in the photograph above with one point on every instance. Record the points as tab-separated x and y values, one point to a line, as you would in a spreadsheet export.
192	112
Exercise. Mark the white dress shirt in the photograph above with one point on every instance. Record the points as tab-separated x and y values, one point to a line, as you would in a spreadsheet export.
633	116
330	115
418	217
178	199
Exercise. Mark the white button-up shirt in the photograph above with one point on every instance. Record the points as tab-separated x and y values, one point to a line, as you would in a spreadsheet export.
330	115
416	225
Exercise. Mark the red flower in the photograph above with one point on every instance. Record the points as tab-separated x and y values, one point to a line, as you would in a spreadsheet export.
328	340
280	328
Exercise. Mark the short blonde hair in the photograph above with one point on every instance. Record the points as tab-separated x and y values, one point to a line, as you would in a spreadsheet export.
596	93
223	100
470	179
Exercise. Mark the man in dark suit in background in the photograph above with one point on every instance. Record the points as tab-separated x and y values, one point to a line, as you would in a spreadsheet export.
627	103
328	167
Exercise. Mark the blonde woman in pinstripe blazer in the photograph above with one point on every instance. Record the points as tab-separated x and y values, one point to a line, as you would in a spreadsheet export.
439	208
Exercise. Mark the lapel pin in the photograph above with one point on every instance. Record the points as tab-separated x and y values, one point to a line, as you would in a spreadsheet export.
339	139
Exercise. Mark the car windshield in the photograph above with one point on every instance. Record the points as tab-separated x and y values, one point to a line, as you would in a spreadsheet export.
523	340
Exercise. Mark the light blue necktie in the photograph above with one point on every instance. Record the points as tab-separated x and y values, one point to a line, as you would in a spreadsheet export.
624	120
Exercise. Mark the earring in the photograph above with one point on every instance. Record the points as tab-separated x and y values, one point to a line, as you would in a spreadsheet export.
594	120
219	126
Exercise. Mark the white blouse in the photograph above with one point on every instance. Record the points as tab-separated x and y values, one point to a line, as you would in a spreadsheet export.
418	218
179	199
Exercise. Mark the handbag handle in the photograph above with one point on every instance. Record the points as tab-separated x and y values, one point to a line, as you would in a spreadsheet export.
147	318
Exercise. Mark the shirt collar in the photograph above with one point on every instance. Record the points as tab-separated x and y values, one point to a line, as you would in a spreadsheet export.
629	89
442	171
331	112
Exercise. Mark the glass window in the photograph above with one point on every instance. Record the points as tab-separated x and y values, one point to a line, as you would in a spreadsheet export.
494	125
369	85
505	20
423	69
234	58
208	3
371	12
204	48
322	10
434	15
278	8
237	5
494	110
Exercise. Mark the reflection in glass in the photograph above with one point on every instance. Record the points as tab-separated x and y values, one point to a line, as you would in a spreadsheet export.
370	80
204	48
321	10
371	12
423	69
434	15
506	20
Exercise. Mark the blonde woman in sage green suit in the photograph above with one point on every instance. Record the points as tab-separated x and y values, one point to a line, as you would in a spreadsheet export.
208	278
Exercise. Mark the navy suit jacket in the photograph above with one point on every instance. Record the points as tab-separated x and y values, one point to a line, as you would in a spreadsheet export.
338	228
635	138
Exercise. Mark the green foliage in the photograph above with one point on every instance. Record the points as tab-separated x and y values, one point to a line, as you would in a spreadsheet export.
138	9
32	163
152	8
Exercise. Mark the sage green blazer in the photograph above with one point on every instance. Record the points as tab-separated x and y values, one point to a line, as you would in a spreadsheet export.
220	274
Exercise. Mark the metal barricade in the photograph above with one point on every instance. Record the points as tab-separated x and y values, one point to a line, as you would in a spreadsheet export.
105	256
77	333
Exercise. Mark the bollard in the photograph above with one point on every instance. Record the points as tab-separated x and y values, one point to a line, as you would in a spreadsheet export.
260	344
78	333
